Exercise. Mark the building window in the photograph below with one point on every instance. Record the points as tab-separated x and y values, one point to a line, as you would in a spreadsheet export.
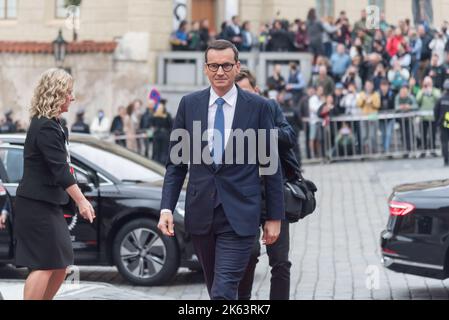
378	3
325	8
8	9
61	11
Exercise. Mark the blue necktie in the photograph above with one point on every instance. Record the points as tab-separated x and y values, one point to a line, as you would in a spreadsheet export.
219	134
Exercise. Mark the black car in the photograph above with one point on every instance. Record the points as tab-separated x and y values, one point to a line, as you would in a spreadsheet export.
416	239
125	190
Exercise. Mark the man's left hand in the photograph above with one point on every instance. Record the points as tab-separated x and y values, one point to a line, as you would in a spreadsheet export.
271	231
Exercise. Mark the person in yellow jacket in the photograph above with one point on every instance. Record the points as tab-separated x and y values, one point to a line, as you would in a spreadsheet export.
369	102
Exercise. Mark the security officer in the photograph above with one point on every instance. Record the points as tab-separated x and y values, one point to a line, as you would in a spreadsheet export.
80	126
441	113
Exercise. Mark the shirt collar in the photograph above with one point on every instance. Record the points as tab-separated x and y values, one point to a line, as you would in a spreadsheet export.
230	97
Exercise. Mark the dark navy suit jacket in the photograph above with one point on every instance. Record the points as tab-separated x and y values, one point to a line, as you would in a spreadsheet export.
237	185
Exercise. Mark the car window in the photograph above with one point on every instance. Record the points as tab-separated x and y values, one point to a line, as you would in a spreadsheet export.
12	160
116	165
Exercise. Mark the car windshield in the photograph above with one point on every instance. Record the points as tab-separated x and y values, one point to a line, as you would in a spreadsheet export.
120	163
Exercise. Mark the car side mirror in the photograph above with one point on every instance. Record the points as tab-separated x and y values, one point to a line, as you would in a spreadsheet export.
85	181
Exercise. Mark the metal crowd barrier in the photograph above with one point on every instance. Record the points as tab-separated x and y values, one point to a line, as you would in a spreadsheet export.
376	136
381	135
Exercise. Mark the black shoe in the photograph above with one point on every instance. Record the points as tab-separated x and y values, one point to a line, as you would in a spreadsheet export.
422	155
434	154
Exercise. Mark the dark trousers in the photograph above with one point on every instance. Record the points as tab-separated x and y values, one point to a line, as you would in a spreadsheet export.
444	144
280	267
408	132
224	256
429	131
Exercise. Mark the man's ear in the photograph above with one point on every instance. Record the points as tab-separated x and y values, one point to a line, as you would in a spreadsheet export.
257	89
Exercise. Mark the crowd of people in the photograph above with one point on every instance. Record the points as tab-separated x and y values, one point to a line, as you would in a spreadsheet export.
139	128
363	72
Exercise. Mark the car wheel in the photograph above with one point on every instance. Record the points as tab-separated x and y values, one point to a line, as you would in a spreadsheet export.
143	255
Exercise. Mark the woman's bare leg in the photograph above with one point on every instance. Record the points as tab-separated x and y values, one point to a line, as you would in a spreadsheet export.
36	284
55	282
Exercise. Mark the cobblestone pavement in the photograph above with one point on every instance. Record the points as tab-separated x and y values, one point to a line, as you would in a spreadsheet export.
333	251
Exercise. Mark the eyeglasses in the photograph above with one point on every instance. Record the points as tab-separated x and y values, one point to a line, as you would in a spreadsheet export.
213	67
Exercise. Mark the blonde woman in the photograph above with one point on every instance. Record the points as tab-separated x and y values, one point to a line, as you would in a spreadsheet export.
43	241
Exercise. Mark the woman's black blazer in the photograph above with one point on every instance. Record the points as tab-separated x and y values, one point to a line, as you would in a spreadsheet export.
46	171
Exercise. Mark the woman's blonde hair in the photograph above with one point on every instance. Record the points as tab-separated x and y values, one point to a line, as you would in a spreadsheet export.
51	93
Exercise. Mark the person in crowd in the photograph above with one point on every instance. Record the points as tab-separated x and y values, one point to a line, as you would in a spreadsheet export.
387	106
349	104
301	40
379	75
146	123
426	52
8	126
117	127
369	102
330	29
280	38
304	115
340	62
352	76
427	98
194	40
315	134
436	72
415	52
130	128
100	125
179	39
276	82
398	77
437	46
357	49
315	34
394	41
325	81
248	40
402	56
234	32
80	126
205	35
441	115
296	83
405	102
161	123
278	253
43	242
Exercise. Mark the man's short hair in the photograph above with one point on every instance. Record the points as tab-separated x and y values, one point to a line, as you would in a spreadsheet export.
222	45
245	73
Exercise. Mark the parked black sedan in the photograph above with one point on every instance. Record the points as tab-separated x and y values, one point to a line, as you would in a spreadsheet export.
125	190
416	239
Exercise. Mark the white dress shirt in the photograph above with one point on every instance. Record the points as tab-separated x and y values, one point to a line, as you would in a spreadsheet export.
228	110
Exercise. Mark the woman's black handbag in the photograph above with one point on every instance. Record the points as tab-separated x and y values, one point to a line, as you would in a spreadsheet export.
299	199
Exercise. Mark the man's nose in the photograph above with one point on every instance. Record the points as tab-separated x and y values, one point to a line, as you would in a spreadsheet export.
220	70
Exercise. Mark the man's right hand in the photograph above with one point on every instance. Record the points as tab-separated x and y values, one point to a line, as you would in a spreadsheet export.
166	224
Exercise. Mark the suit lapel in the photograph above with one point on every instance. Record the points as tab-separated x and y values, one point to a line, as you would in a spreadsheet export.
203	116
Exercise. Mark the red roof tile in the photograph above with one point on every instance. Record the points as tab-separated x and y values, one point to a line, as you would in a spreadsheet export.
47	47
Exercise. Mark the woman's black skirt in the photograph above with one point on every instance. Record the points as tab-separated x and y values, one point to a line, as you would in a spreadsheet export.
42	237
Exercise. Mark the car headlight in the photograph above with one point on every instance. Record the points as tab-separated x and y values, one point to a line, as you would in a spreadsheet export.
180	208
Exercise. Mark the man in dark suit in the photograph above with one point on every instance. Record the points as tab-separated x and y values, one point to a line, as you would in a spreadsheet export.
223	202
